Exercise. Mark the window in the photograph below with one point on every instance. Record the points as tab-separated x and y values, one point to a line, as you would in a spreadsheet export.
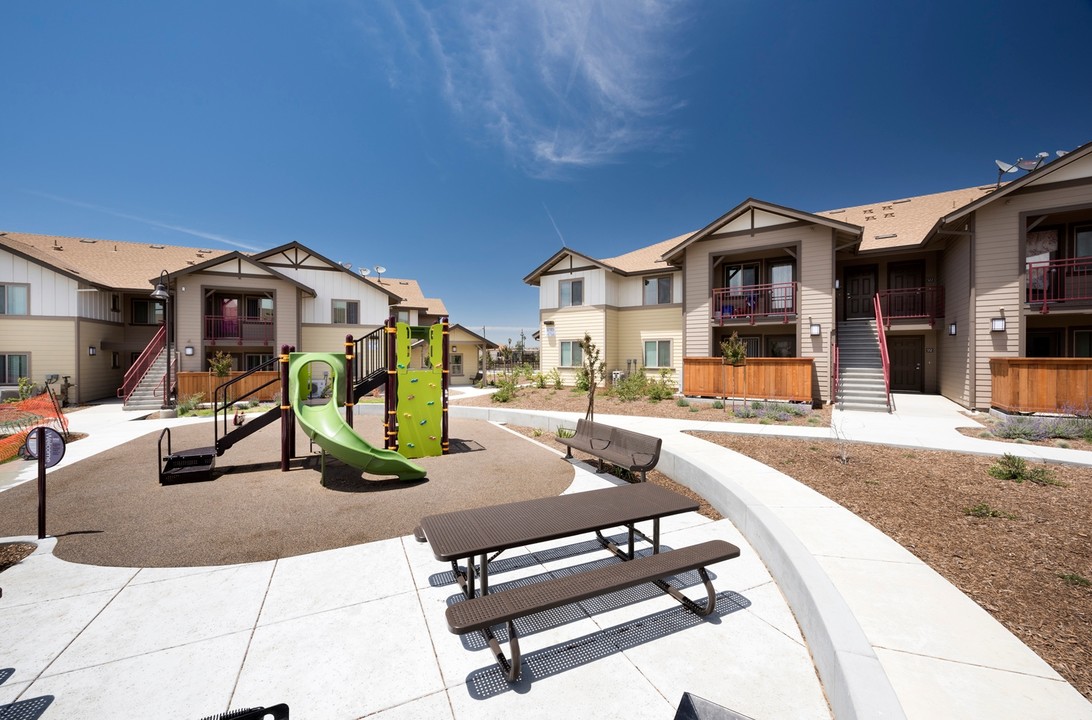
781	346
147	312
115	303
658	290
456	364
13	299
1082	242
346	312
403	316
781	299
570	293
572	355
737	276
115	360
253	360
1082	343
657	353
13	366
258	308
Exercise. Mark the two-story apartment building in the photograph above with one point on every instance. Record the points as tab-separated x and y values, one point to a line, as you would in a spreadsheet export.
631	306
82	308
945	288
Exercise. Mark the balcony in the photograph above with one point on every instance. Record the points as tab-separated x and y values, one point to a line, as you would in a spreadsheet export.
921	303
1052	282
748	302
239	330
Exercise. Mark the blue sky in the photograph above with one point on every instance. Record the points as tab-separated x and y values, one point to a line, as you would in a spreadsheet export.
463	143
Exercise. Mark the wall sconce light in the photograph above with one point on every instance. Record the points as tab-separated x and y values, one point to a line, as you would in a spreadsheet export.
547	322
997	324
816	329
189	350
951	328
454	349
92	351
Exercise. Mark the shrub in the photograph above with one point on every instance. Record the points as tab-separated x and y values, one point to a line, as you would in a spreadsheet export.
188	403
630	388
583	383
982	510
563	432
1012	467
682	402
540	380
718	405
1075	579
662	388
554	376
507	389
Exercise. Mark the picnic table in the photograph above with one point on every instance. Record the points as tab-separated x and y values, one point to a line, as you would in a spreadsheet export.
486	532
466	534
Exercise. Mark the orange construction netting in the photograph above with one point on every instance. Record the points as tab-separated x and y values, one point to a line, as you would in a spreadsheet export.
19	418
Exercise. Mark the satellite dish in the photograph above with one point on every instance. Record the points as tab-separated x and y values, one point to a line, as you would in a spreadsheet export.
1034	163
1003	167
347	265
364	272
379	269
1061	153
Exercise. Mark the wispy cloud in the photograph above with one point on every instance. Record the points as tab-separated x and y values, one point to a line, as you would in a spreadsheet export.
560	85
148	221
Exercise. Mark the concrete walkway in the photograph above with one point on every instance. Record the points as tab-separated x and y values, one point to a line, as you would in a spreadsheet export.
359	632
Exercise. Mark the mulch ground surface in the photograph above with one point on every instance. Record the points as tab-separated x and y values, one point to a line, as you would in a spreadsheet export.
111	510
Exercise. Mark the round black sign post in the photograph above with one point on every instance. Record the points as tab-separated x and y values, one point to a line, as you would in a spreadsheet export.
52	446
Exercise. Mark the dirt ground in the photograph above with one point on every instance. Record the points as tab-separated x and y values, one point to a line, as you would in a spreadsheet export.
1025	561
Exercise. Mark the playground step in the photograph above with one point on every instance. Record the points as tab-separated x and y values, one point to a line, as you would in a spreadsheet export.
188	465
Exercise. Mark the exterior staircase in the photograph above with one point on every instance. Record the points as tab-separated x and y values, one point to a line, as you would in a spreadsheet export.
860	367
148	394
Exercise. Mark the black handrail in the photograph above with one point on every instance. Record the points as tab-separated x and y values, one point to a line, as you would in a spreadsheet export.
220	395
369	356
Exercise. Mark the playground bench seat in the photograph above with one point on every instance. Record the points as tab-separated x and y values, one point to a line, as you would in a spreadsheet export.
627	449
484	611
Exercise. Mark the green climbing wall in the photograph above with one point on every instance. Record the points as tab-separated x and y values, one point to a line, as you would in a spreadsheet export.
420	396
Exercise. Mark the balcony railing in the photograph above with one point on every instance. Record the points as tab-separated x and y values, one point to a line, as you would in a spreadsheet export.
754	301
241	330
1059	281
922	303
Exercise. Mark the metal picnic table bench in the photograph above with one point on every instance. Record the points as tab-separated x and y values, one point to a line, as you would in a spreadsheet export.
479	532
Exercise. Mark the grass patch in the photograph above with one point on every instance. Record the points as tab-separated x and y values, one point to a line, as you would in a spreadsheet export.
982	510
1015	468
1075	579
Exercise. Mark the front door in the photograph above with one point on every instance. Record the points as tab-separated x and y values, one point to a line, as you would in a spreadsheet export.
860	287
1044	343
905	280
907	356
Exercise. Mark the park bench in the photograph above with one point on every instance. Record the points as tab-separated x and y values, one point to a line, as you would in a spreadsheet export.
481	613
627	449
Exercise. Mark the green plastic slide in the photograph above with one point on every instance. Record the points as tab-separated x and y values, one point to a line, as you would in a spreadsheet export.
326	425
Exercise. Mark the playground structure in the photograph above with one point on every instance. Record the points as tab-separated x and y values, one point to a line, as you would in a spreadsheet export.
415	418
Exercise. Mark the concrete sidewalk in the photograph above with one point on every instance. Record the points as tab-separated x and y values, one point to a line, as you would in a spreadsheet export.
817	590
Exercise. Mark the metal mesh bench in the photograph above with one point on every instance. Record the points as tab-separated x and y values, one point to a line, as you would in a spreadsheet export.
623	448
485	611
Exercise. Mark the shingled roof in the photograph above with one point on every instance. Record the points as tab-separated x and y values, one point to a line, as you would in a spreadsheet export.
646	259
412	296
111	264
905	222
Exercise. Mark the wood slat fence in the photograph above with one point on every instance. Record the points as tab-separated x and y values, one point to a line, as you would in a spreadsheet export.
191	383
1028	385
760	378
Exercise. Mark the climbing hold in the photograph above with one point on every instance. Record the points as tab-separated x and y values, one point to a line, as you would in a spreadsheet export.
407	415
410	398
410	445
431	385
423	422
431	402
431	437
402	367
413	380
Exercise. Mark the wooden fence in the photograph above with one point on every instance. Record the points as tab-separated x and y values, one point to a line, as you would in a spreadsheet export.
760	378
1041	384
191	383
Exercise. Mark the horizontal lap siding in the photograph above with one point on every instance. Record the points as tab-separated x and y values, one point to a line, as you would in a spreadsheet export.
50	342
636	326
955	370
570	324
999	269
98	378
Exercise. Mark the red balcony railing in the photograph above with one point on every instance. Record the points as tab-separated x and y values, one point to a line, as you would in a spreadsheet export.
241	330
923	303
1059	281
753	301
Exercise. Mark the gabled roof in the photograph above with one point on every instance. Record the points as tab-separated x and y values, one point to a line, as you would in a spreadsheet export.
232	264
297	255
110	264
489	344
411	296
638	262
906	222
755	214
534	275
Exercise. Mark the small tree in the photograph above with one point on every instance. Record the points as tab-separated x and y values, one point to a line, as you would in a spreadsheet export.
595	371
220	364
735	353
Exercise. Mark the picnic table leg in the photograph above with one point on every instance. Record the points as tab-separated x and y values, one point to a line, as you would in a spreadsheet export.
483	575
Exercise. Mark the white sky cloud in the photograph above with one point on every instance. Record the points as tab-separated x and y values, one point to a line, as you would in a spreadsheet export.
559	84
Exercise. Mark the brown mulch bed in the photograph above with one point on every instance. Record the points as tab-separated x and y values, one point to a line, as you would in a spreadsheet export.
1025	570
991	422
568	400
14	552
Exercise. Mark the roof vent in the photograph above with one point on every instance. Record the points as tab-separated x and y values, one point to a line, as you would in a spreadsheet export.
157	247
835	212
89	242
885	237
203	250
905	200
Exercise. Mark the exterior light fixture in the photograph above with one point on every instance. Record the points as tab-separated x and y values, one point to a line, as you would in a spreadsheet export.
816	329
951	328
92	350
997	324
189	350
454	348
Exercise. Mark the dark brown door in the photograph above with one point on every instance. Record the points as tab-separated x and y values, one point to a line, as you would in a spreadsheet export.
860	287
903	279
1044	343
907	355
